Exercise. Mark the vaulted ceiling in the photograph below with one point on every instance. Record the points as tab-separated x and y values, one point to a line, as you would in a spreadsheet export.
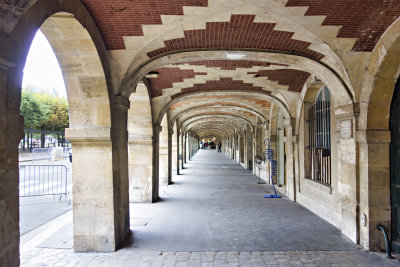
223	63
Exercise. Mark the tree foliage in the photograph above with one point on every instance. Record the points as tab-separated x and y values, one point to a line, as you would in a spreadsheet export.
43	111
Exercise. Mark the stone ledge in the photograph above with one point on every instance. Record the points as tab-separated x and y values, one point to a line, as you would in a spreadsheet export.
6	63
316	185
144	139
98	134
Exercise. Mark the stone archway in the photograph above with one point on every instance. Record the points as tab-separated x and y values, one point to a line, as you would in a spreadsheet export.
85	67
380	78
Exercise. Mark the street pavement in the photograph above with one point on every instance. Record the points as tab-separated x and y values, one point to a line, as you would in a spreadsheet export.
213	215
40	209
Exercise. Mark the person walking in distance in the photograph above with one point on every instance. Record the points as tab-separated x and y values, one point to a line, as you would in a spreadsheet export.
219	147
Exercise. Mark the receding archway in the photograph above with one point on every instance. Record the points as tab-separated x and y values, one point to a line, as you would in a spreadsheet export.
140	131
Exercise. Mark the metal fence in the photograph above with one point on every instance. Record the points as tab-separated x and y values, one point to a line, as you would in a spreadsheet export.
40	180
42	139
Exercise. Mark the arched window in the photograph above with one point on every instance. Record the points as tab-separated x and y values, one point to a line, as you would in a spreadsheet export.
319	138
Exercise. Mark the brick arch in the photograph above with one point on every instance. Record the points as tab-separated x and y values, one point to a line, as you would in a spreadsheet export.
202	129
343	93
43	15
190	119
211	105
213	120
239	32
256	94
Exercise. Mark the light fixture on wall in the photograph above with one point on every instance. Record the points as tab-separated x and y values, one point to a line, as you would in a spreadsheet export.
151	74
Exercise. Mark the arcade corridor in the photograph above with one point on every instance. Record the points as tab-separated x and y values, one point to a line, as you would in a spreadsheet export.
311	86
215	213
217	205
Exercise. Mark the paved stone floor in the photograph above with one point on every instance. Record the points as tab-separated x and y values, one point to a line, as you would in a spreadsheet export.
215	215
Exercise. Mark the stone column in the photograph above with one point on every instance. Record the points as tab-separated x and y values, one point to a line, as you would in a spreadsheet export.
189	147
347	169
290	176
140	168
242	146
119	138
374	176
184	143
95	217
164	156
182	150
170	152
156	163
234	147
186	147
245	151
254	131
249	149
100	183
11	132
179	151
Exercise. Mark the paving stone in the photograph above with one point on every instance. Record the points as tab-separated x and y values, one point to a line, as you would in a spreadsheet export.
220	262
258	264
257	259
182	264
208	258
196	255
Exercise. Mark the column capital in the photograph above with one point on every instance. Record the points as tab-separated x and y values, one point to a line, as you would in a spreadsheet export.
157	128
289	122
6	63
347	112
88	134
170	131
120	101
273	138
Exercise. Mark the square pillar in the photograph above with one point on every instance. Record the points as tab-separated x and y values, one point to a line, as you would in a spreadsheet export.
94	214
156	163
181	150
290	171
119	138
140	168
170	152
374	186
11	132
347	170
178	151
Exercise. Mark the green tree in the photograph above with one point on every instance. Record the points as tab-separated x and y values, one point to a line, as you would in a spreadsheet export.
43	111
33	111
58	116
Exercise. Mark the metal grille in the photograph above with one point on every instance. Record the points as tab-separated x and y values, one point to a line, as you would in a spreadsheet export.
319	140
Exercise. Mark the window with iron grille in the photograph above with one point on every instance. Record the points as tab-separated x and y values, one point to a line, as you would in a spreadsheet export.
319	139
